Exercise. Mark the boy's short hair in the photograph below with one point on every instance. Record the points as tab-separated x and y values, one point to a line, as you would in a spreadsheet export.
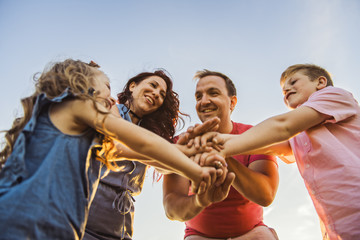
228	82
311	70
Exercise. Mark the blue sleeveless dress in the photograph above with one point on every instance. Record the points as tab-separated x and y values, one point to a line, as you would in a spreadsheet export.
48	181
112	211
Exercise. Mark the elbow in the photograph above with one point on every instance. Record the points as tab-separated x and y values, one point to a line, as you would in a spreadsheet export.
265	200
169	215
267	197
172	212
176	217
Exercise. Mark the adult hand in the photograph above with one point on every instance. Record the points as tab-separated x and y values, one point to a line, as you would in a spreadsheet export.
212	159
199	129
215	193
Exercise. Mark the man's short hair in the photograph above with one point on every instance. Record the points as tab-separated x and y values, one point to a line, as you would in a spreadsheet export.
228	82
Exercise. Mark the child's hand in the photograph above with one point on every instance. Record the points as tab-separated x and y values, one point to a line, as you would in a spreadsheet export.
191	150
213	139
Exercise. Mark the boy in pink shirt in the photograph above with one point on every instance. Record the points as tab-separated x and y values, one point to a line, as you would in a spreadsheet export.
322	132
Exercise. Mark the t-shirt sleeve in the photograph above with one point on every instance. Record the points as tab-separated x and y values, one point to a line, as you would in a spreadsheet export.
334	102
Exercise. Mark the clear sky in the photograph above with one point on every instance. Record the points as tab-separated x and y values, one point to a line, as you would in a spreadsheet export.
250	41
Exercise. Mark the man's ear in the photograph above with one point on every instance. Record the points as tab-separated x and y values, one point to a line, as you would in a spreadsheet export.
322	82
233	101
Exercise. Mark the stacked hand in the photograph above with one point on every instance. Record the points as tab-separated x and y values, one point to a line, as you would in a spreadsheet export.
202	148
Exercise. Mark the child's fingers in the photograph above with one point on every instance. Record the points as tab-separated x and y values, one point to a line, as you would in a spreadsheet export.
207	137
217	147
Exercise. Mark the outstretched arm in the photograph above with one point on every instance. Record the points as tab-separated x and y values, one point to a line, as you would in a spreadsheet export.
140	140
268	137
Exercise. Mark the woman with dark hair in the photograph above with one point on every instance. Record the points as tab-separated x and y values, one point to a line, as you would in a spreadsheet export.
148	101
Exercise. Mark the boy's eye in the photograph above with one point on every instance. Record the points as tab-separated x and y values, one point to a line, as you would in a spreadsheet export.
153	85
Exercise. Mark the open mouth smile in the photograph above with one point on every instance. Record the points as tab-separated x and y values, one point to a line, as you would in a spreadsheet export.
150	100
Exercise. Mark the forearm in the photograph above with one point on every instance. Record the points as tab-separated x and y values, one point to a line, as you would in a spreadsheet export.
147	143
276	129
181	207
258	137
258	187
177	204
126	153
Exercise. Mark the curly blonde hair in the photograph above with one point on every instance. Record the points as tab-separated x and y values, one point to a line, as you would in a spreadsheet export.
73	74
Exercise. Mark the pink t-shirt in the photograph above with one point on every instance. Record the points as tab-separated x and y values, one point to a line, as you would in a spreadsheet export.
235	215
328	158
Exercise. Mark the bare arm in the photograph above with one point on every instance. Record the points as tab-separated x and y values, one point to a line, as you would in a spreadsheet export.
125	153
140	140
270	136
179	206
258	182
275	130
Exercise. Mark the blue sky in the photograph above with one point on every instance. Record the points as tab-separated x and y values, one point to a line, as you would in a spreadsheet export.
250	41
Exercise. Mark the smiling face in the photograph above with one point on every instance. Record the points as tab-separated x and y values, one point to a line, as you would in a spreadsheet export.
148	95
298	87
212	99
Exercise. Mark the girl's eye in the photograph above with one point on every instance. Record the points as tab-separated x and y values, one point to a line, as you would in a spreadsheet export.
153	85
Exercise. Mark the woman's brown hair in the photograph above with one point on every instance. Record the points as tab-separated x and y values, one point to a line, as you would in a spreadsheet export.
164	120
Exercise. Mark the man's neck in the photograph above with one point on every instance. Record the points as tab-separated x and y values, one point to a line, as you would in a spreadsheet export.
226	127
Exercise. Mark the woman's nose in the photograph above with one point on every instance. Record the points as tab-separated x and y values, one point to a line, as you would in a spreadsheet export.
156	93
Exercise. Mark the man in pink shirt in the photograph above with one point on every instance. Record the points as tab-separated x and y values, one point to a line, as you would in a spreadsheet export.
323	134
